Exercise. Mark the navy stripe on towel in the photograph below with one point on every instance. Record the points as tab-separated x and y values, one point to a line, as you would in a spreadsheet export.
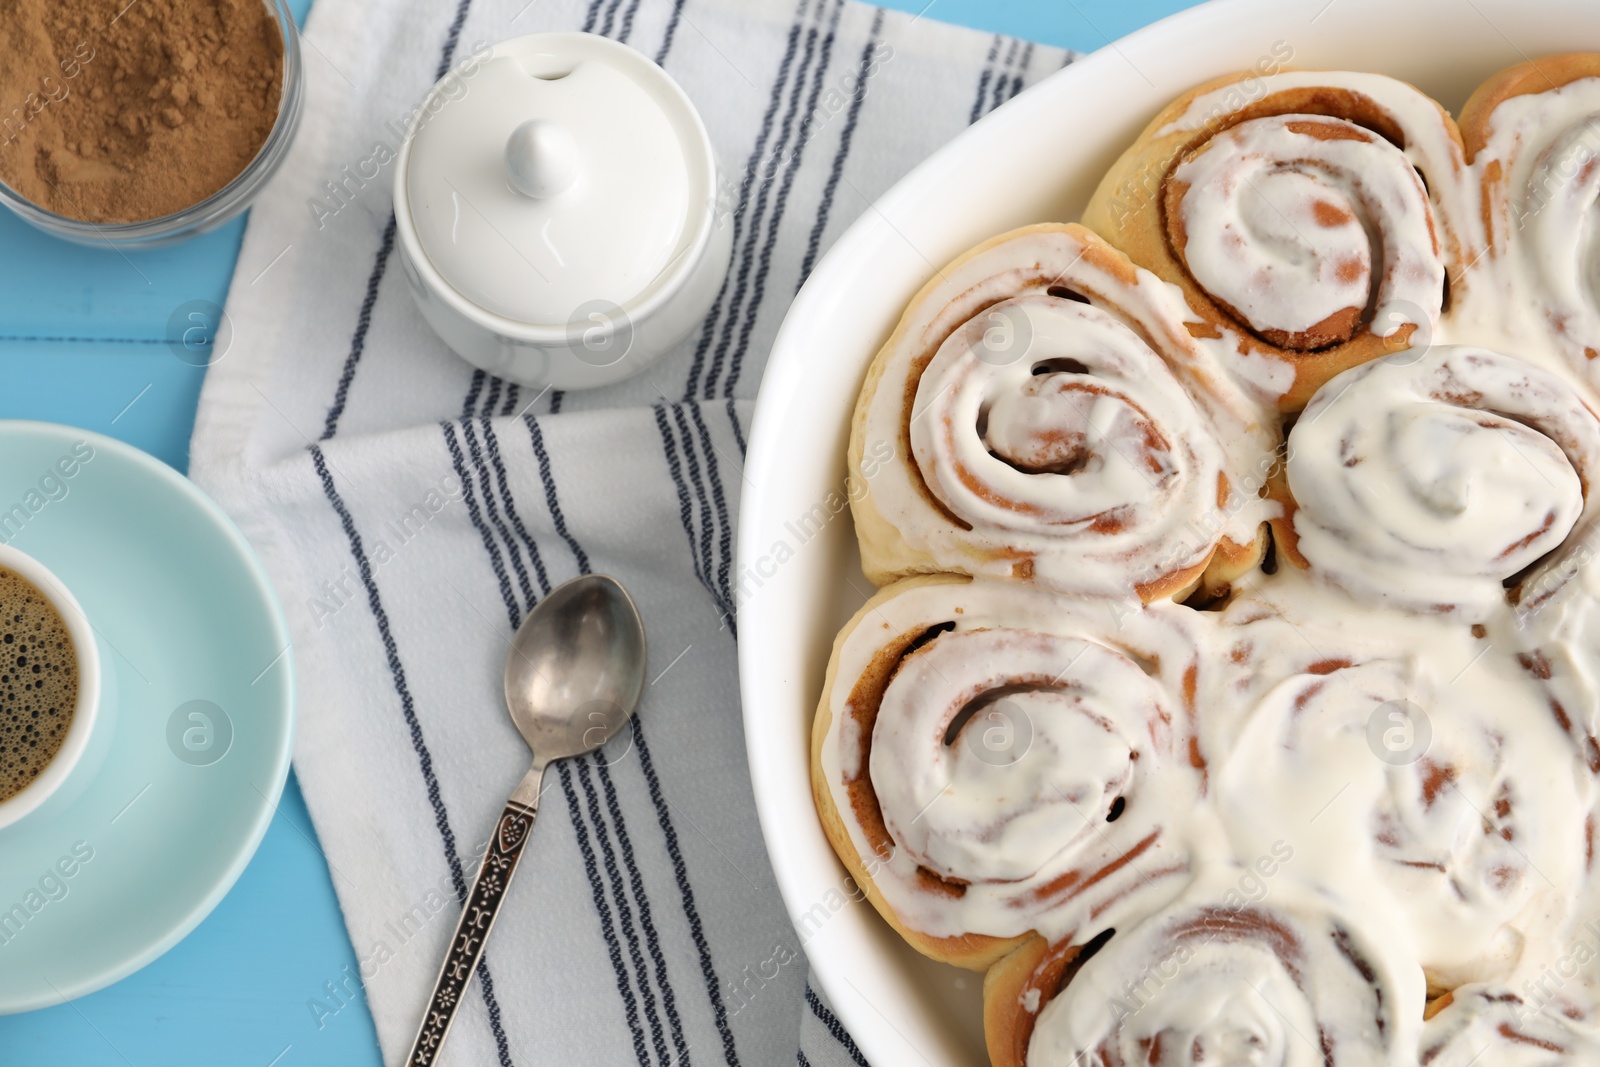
630	937
447	54
709	330
738	431
672	31
984	79
846	138
627	21
469	406
419	744
608	931
1003	83
680	870
492	447
718	498
646	920
699	546
358	341
606	28
492	397
557	517
758	289
1019	80
613	912
835	1027
592	826
741	312
380	262
658	800
513	615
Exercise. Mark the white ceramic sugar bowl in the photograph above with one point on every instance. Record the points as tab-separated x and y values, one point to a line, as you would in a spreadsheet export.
556	208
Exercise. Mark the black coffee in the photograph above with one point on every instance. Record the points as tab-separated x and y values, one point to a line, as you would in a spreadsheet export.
38	682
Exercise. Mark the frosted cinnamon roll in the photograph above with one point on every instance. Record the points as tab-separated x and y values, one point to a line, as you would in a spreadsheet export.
1558	646
1490	1026
990	760
1043	412
1206	983
1532	133
1308	216
1413	765
1430	481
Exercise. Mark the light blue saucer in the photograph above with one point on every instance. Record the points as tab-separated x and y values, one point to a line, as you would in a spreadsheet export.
194	645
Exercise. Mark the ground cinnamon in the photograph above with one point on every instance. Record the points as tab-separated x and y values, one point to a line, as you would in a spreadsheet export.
113	111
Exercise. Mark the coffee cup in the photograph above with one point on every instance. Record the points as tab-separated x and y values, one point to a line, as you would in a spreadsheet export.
49	775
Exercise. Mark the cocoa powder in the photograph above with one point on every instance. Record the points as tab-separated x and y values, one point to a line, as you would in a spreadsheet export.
113	111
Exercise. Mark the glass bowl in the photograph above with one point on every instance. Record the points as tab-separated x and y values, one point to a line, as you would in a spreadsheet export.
221	206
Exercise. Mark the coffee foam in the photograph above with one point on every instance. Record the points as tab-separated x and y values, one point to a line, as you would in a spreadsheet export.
38	682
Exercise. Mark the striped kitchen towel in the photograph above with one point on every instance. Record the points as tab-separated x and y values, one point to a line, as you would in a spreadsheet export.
411	511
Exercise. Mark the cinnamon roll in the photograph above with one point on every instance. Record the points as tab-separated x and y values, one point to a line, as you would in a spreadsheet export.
1276	984
1043	412
1311	221
990	760
1428	481
1411	762
1557	646
1532	133
1343	807
1490	1026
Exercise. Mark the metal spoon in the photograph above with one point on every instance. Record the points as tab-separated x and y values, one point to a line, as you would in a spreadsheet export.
573	677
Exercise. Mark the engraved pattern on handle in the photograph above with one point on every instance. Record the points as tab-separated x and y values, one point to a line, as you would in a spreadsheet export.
477	917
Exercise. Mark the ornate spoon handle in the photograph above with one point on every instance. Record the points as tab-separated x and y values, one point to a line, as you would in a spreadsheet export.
477	918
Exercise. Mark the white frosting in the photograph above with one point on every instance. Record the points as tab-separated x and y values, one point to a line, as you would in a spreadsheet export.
1032	775
1388	751
1282	984
1290	219
1097	443
1083	449
1416	769
1482	1027
1478	841
1541	282
1429	146
1426	479
1295	219
1019	806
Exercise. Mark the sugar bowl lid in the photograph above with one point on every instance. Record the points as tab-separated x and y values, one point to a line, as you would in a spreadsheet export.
566	169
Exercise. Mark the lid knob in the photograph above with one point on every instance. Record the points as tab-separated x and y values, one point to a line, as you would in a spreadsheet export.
541	159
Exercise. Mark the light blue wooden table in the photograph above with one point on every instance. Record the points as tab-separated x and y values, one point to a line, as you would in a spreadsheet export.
82	342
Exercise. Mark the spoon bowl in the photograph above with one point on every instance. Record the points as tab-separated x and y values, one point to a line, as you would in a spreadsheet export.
576	668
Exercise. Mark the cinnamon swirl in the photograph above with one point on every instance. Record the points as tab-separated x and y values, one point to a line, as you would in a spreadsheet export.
990	760
1282	984
1411	763
1497	1027
1532	133
1375	334
1311	223
1048	416
1426	480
